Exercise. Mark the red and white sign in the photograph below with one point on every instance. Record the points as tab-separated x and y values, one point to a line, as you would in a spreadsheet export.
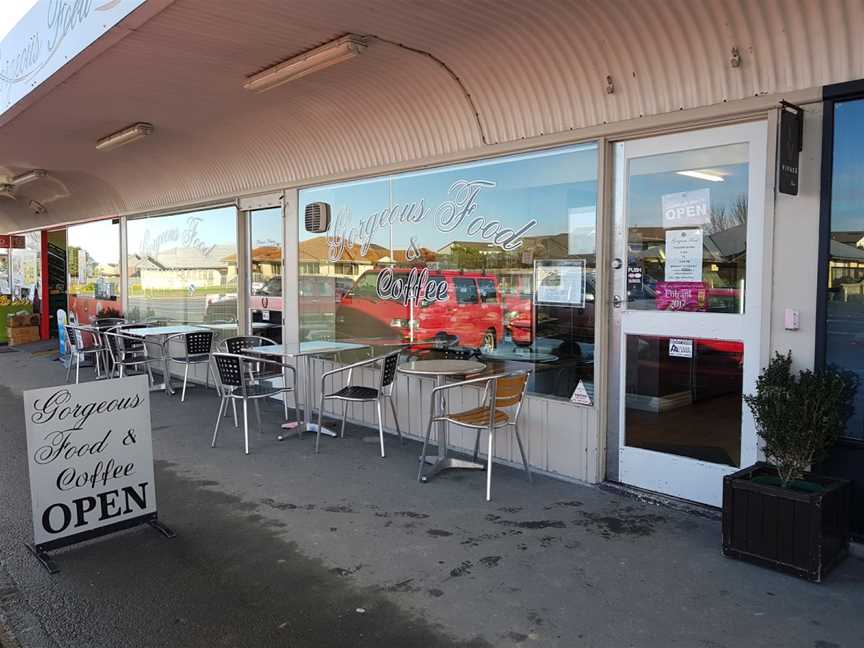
11	241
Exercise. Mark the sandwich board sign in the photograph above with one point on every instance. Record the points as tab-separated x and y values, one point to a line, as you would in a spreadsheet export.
90	461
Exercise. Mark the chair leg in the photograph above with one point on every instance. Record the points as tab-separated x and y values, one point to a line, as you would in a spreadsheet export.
344	416
258	415
522	452
477	444
69	367
98	355
320	422
285	404
245	427
380	426
77	367
185	378
489	466
149	374
207	378
423	451
395	419
234	407
222	407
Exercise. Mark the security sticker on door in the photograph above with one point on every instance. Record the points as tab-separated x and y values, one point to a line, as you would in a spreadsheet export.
680	348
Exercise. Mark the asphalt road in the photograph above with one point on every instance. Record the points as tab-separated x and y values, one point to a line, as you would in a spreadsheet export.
284	547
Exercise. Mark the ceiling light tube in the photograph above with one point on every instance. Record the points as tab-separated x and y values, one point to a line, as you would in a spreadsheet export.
30	176
702	175
337	51
125	136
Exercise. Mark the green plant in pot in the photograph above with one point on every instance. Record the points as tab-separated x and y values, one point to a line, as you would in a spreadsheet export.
800	417
778	514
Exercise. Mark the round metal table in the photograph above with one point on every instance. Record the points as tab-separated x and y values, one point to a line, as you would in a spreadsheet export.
440	370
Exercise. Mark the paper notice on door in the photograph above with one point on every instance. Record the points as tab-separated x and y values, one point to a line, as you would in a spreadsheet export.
684	255
680	348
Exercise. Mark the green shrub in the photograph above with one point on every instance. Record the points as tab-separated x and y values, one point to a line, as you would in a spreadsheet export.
799	417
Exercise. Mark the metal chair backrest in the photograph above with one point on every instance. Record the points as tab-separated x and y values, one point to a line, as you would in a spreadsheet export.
109	322
118	344
510	389
237	344
229	370
77	340
199	342
388	369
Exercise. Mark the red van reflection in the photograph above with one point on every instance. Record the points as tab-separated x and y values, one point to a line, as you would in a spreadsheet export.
470	314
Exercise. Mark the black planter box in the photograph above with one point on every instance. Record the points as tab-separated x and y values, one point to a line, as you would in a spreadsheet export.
805	534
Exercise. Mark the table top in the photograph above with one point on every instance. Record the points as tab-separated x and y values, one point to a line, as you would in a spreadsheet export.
441	367
293	350
156	331
520	355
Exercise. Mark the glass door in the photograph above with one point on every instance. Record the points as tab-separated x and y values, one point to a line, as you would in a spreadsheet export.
686	306
265	273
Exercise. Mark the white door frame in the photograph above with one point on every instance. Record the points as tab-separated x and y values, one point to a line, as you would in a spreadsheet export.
680	476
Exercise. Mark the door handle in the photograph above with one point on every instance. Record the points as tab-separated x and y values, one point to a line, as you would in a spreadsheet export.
616	301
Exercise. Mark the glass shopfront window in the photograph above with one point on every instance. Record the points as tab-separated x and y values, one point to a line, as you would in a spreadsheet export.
93	264
265	272
5	288
494	258
687	233
183	267
844	325
26	269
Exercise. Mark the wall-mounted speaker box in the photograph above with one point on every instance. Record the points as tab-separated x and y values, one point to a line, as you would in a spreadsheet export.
317	217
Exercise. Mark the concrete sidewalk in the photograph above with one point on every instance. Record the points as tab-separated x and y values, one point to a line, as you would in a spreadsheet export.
286	548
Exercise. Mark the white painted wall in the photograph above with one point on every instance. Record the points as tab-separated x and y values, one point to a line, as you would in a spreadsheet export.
796	250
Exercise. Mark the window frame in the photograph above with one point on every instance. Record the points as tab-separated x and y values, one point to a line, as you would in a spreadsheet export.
832	95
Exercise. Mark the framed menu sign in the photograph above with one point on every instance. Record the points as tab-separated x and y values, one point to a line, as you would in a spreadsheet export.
90	461
560	282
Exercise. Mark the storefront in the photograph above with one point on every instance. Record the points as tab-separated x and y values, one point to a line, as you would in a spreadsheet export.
622	237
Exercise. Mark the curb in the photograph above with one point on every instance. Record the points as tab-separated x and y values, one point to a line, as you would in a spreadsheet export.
19	625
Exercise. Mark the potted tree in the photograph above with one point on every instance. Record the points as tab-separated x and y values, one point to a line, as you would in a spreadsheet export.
778	514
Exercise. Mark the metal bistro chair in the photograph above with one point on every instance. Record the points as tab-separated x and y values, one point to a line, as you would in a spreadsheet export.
109	322
105	324
197	347
501	406
81	349
360	394
234	382
127	352
258	372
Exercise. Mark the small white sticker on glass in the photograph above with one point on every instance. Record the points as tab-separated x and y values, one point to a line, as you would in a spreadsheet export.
680	348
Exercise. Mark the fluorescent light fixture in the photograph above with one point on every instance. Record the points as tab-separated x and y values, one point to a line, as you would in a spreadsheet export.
125	136
30	176
341	49
702	175
7	191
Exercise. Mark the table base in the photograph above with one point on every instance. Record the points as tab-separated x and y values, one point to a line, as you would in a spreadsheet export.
448	463
299	429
